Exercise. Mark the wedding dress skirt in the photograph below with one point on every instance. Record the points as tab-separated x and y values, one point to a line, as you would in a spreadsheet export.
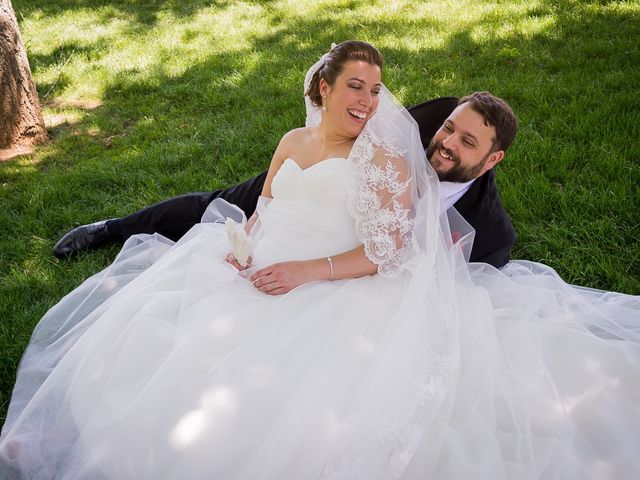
170	364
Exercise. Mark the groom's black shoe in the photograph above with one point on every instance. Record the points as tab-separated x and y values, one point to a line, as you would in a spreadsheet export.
83	237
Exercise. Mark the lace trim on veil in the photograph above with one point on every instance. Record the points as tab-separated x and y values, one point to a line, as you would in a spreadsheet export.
377	201
382	187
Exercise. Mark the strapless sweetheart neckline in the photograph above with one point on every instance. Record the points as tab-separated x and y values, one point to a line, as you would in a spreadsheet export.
313	165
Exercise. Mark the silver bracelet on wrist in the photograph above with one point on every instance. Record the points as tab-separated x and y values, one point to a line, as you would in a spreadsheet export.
330	268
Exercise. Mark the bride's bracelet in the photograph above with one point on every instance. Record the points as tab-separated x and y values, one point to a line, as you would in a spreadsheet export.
330	268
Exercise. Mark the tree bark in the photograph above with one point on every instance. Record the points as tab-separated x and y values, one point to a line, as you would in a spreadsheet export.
21	122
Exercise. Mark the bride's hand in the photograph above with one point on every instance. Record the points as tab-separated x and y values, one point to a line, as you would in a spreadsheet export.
230	258
282	277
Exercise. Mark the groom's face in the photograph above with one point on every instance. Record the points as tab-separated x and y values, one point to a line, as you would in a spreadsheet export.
463	148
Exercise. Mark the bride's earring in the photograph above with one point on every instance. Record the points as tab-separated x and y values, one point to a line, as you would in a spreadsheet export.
324	107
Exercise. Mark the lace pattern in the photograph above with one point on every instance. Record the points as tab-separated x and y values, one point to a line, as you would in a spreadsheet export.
379	201
383	181
401	431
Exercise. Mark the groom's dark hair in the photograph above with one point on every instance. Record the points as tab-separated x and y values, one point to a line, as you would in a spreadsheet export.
334	63
496	113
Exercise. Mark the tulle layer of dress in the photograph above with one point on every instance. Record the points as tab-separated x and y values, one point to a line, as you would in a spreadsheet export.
170	364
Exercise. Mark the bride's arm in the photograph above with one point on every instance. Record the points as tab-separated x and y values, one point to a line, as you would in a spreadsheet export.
282	277
279	156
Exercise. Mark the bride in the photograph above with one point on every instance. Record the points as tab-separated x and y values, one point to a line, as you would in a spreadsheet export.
355	344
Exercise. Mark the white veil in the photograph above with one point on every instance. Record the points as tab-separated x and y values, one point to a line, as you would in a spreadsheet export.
394	193
394	198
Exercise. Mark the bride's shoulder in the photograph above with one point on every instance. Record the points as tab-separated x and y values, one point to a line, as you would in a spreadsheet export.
299	141
292	143
298	136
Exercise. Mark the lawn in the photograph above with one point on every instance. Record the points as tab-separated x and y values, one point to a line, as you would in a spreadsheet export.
149	99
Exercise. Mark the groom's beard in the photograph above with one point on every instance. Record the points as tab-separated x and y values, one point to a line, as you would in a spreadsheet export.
457	173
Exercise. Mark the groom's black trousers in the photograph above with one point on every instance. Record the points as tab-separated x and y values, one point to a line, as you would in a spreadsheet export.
175	216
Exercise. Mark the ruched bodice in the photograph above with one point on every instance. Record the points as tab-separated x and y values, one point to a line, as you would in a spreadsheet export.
307	217
322	183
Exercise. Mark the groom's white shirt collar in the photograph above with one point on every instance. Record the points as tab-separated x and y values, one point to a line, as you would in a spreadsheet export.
451	192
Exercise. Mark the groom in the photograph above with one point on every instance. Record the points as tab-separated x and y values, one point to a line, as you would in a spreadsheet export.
466	138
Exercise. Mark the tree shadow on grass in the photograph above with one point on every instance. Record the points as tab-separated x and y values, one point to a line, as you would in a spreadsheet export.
50	91
145	12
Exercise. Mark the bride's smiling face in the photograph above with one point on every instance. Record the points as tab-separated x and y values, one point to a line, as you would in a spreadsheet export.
353	98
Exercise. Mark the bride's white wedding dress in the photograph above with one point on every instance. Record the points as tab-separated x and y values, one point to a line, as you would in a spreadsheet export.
170	364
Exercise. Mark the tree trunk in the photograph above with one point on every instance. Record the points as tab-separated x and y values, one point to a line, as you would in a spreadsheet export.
21	122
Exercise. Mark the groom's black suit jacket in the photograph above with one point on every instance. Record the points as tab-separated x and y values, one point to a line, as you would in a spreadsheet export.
495	235
480	206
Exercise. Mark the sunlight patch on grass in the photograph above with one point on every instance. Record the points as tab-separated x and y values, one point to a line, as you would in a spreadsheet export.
80	28
159	51
521	27
19	166
55	119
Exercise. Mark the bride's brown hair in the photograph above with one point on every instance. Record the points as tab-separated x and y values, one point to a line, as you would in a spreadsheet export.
334	63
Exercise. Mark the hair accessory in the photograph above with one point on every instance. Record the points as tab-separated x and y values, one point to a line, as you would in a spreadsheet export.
314	113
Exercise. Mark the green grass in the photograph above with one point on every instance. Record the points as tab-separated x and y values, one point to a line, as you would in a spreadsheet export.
149	99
